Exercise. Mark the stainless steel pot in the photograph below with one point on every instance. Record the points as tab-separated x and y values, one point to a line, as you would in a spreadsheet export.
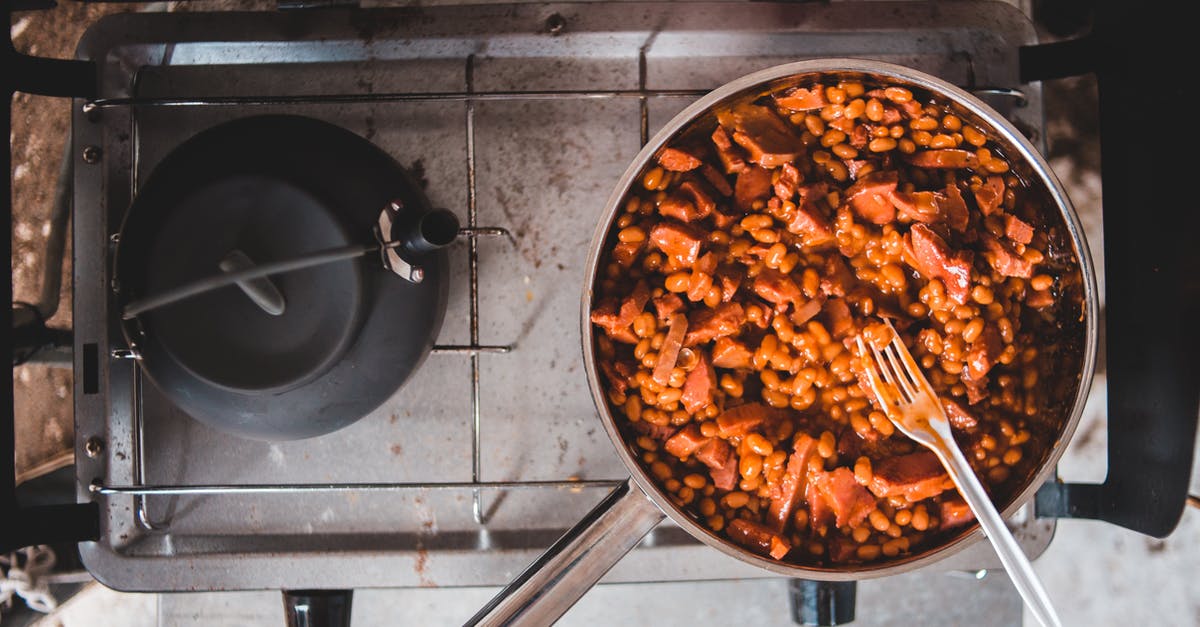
552	584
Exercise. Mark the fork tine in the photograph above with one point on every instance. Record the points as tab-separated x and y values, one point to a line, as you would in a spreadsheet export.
872	371
915	374
902	375
885	370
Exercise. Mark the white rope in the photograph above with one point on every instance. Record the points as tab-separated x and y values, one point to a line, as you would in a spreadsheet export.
22	572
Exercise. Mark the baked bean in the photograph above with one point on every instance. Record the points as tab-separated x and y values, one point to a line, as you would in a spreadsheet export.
734	500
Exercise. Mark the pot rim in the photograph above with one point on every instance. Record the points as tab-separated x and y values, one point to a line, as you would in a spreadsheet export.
887	72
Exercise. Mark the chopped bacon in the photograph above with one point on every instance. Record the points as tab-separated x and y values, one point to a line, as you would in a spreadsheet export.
891	116
679	208
955	512
1017	229
769	140
802	99
808	222
1039	299
730	353
705	325
1004	259
778	288
954	208
678	160
982	355
678	241
850	502
945	158
729	279
753	185
836	277
869	196
758	538
635	302
699	387
915	476
606	317
935	260
789	181
959	418
808	310
613	372
792	484
730	155
687	441
666	305
860	137
743	419
670	349
657	432
722	462
626	253
837	312
716	179
819	512
990	195
701	199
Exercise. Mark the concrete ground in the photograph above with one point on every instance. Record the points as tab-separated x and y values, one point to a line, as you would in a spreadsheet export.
1097	574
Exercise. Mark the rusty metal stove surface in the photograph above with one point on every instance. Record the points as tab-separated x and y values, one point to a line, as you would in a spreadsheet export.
518	118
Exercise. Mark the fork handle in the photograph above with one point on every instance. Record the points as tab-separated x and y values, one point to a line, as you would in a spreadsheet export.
1015	563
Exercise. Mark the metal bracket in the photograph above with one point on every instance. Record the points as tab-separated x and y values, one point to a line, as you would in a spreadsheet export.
390	256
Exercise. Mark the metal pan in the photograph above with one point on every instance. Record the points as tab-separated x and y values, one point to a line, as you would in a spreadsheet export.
552	584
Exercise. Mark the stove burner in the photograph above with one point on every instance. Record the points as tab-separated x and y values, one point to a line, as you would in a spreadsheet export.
299	353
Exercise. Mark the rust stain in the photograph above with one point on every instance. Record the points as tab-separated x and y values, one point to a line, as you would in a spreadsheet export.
419	568
392	419
397	449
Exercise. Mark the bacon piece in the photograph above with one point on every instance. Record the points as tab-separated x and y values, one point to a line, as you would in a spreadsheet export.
731	156
836	277
768	140
709	324
959	418
891	116
626	253
802	99
678	160
670	349
789	181
678	241
699	387
1017	229
990	195
792	485
679	208
657	432
935	260
1004	259
758	538
722	462
716	179
841	322
808	222
981	357
687	441
860	137
819	512
666	305
955	512
1039	299
870	197
945	158
740	420
753	184
915	476
778	288
730	353
702	200
730	280
954	208
850	502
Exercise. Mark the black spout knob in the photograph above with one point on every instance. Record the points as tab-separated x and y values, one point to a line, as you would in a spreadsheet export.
426	232
822	602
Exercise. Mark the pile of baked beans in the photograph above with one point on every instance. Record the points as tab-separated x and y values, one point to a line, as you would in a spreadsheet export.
810	265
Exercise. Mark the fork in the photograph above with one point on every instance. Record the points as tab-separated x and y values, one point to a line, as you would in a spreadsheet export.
911	404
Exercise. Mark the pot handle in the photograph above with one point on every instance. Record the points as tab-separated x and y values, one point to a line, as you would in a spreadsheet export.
569	568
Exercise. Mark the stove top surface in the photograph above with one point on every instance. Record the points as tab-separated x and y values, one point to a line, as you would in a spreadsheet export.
516	117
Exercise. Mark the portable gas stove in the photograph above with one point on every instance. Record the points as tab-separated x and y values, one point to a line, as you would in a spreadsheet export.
518	118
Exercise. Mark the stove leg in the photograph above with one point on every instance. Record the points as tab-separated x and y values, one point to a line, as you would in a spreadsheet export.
822	602
317	608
